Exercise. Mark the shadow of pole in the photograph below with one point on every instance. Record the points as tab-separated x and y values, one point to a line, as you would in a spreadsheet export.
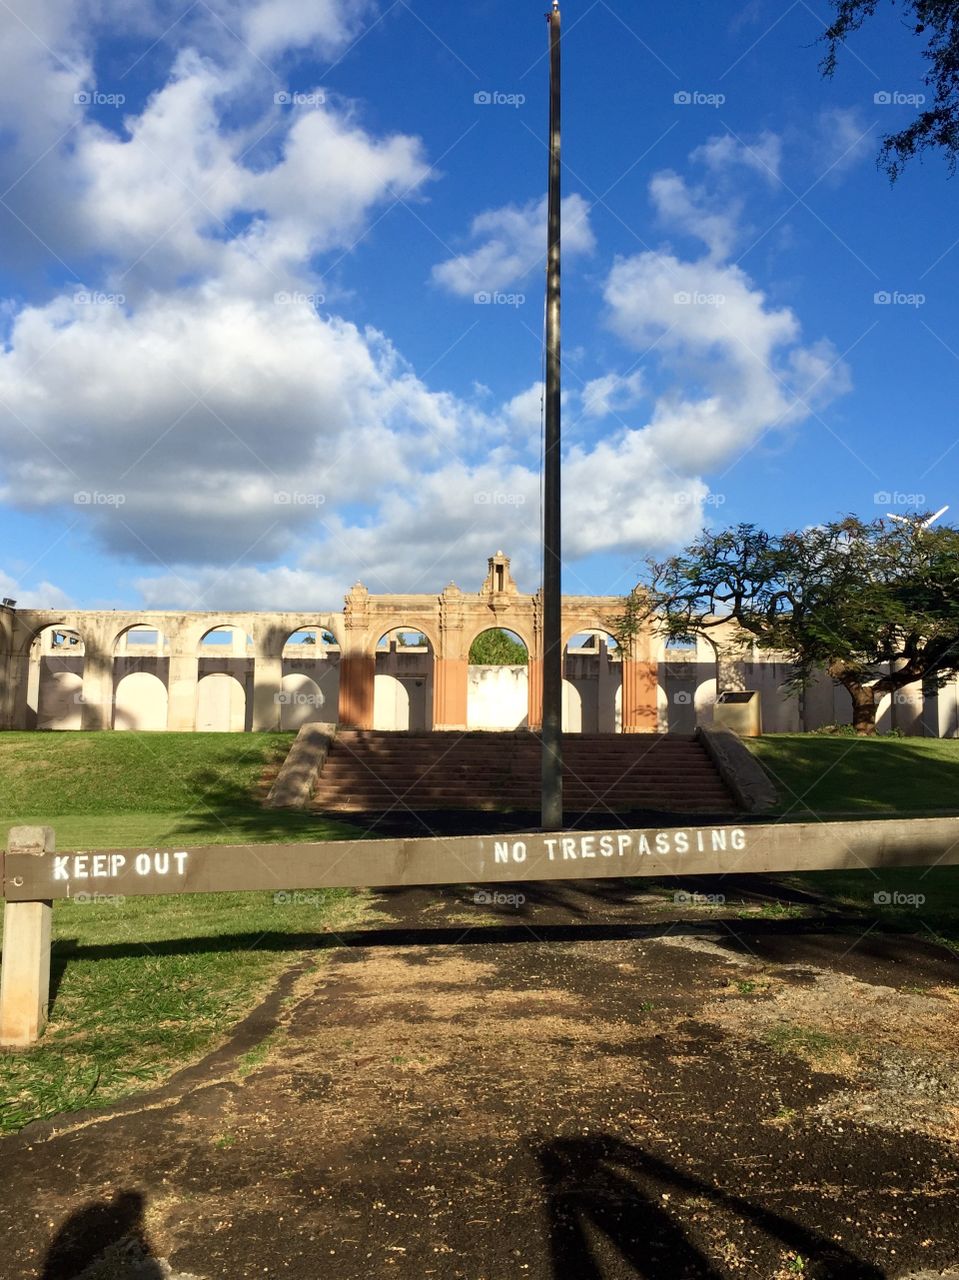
604	1189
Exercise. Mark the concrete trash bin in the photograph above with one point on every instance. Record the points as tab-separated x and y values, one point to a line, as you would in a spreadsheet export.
740	711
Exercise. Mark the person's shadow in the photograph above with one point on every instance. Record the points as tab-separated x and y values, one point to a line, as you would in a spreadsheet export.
113	1227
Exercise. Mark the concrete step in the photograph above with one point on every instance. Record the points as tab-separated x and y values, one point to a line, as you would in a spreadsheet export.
367	769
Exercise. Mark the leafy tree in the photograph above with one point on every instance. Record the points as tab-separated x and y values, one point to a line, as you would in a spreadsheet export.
498	649
938	124
874	605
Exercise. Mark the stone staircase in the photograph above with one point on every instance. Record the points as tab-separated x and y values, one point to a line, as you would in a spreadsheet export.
374	772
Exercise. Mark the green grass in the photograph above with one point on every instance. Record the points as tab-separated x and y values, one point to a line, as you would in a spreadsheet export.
143	987
871	776
120	790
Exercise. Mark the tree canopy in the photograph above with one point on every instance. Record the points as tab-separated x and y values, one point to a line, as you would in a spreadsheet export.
936	125
874	605
498	648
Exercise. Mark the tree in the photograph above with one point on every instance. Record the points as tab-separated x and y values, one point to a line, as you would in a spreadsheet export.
938	124
498	649
876	606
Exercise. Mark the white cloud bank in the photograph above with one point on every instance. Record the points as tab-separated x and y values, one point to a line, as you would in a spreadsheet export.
215	420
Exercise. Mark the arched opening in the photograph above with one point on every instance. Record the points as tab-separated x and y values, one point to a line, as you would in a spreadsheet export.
310	687
403	681
497	695
141	669
592	683
224	691
55	680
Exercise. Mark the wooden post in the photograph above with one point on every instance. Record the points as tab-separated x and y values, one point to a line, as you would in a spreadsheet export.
25	973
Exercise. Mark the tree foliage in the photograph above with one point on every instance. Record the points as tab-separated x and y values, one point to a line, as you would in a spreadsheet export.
938	124
498	648
874	605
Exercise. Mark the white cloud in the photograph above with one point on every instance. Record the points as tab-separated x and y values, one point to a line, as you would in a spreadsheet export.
695	212
43	596
723	153
513	243
612	393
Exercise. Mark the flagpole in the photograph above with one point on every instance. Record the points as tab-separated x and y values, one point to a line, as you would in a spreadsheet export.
552	790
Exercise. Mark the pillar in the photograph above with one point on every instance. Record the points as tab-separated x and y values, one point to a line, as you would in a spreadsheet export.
450	693
267	685
357	676
25	971
183	674
97	695
640	685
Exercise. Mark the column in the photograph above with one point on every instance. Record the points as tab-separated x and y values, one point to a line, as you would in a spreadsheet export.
182	677
97	695
450	693
357	675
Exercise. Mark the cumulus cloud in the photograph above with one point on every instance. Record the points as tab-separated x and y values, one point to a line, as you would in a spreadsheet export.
203	412
43	596
513	243
694	212
724	153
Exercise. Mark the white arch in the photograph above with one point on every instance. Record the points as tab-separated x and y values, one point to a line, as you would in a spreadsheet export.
140	703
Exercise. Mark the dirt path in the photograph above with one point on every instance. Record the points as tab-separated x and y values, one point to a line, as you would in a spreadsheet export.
578	1086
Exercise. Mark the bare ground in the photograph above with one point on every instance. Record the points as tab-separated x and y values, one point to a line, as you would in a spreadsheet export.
591	1084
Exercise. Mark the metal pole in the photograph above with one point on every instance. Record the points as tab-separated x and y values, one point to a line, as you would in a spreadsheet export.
552	794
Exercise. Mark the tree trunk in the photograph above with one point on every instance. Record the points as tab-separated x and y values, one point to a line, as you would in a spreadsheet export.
863	707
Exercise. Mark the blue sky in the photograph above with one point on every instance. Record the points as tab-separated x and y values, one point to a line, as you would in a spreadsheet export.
272	281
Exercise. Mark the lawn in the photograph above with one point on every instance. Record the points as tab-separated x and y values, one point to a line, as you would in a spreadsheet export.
143	986
818	776
117	790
